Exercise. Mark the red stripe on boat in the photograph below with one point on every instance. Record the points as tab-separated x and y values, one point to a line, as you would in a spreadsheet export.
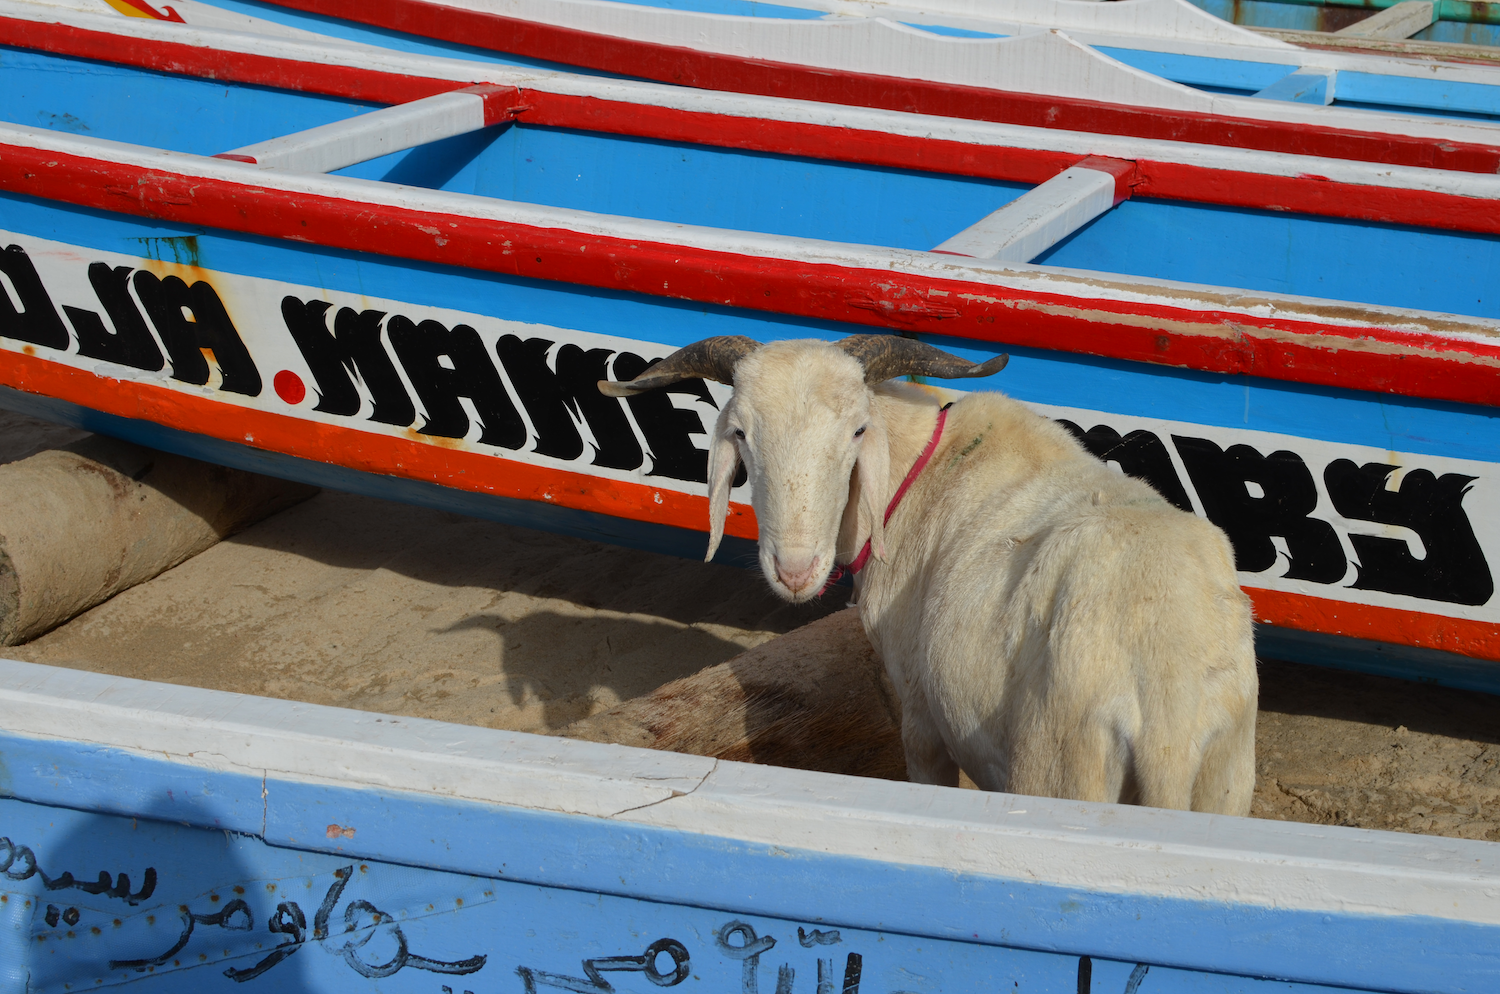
716	71
1374	358
771	79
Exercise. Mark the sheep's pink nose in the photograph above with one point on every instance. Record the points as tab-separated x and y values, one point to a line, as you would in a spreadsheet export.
797	571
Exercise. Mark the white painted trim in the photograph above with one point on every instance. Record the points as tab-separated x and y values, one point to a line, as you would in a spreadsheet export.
1086	66
1081	284
369	136
1037	220
1401	21
1098	847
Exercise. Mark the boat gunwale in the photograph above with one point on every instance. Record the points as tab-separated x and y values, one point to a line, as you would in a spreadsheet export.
1288	129
308	763
1223	330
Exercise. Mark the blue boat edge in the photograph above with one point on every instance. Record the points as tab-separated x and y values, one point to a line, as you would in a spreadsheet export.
939	885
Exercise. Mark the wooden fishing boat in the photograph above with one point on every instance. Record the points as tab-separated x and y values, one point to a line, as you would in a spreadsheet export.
215	243
1157	65
187	840
1301	349
1454	22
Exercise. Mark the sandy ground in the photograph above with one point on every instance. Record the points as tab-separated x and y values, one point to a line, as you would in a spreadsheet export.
361	603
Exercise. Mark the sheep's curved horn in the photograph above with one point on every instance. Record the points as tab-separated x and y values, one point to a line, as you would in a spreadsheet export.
885	356
712	359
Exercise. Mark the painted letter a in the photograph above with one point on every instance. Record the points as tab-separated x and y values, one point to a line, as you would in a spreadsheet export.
169	302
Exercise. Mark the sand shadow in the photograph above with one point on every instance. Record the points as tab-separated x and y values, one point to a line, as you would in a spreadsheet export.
1343	695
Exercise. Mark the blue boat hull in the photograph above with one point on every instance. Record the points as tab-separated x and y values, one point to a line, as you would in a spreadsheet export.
306	853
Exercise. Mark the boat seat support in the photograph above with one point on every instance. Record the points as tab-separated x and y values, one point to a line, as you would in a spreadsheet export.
1305	86
381	132
1037	220
1394	23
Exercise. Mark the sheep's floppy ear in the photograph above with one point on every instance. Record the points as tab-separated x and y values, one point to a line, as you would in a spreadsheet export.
711	359
885	356
874	468
723	461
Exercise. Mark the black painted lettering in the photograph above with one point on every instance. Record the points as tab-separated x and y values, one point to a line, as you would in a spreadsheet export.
853	970
234	916
750	947
131	343
352	351
1287	496
355	923
32	318
669	430
19	863
287	920
817	937
445	365
192	320
594	981
1453	568
1140	454
558	402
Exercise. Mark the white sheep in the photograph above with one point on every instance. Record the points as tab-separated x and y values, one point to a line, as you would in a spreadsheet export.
1053	627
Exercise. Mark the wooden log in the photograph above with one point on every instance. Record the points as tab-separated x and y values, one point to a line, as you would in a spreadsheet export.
81	523
816	698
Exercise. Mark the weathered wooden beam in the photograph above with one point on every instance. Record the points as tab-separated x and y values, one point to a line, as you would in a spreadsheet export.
393	129
1035	221
1401	21
1305	86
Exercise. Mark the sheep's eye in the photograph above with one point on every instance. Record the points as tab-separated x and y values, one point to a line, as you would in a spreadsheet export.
739	433
861	431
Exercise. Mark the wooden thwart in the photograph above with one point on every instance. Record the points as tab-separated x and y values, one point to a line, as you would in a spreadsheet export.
1035	221
1305	86
392	129
1401	21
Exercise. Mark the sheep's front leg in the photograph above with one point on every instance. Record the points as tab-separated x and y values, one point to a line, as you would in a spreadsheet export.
927	757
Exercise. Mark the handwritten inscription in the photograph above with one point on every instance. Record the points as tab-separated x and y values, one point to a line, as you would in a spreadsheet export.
374	946
19	863
594	969
361	919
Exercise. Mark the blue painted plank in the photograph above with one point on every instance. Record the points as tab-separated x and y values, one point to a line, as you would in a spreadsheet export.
1241	75
1403	91
230	802
545	891
183	114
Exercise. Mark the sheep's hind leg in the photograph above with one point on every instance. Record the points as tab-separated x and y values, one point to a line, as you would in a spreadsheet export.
927	757
1226	780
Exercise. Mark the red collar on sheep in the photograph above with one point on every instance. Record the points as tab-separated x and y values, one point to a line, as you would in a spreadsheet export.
859	562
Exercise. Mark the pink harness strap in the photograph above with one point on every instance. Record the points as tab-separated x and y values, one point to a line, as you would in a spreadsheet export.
859	562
